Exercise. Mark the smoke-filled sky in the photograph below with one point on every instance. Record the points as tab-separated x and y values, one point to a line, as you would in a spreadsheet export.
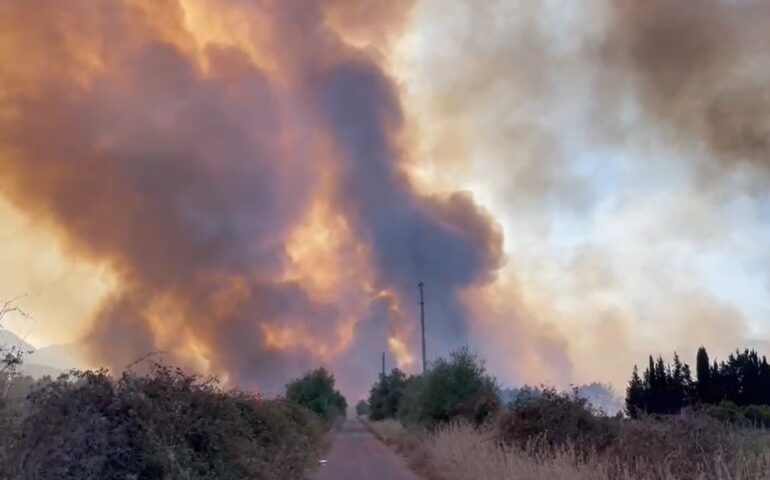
255	187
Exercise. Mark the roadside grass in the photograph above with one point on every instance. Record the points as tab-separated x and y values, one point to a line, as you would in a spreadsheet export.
390	431
460	451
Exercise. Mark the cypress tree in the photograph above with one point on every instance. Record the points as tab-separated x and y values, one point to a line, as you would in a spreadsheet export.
635	395
703	373
764	382
750	378
676	387
690	394
649	374
660	388
743	379
716	394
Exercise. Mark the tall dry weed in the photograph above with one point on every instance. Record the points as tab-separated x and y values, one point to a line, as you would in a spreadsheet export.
462	452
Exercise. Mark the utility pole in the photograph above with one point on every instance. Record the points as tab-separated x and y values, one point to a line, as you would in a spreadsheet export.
422	325
383	364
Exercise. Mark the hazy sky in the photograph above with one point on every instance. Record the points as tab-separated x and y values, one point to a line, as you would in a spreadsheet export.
257	187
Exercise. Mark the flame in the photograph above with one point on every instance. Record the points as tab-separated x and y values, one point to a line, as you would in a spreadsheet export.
244	28
399	350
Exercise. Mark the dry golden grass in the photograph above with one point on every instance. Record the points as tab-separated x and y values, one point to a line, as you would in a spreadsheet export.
391	432
461	452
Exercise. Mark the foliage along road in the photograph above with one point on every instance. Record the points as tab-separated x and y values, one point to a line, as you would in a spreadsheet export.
358	455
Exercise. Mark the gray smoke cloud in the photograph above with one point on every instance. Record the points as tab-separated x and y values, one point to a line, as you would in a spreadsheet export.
622	146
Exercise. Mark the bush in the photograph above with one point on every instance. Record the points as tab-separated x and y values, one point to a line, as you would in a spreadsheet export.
163	425
455	388
726	411
558	418
385	395
686	444
689	446
757	415
315	391
13	391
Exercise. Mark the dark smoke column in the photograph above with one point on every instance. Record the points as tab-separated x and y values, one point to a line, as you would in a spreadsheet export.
446	241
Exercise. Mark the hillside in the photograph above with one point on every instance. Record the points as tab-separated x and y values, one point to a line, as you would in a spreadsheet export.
38	362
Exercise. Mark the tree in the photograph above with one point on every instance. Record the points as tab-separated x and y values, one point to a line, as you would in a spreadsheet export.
362	408
635	395
743	380
679	385
385	395
457	387
764	380
409	408
703	373
663	388
10	381
315	391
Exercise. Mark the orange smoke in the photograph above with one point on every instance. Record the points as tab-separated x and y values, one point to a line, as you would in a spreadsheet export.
239	167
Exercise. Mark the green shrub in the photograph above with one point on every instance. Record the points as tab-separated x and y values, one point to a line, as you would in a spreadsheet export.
726	411
749	416
453	388
558	418
757	415
315	391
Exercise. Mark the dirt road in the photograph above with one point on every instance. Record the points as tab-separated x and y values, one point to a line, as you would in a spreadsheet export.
358	455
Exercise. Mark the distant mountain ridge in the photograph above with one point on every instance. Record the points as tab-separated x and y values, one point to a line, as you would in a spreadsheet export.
39	362
9	339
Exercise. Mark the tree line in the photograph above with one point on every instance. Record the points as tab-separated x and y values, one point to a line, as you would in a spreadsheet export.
666	388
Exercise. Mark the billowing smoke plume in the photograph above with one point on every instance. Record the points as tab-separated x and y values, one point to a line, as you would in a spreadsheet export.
239	167
624	147
268	180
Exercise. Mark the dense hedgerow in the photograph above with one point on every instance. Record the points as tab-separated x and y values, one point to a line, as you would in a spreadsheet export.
163	425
